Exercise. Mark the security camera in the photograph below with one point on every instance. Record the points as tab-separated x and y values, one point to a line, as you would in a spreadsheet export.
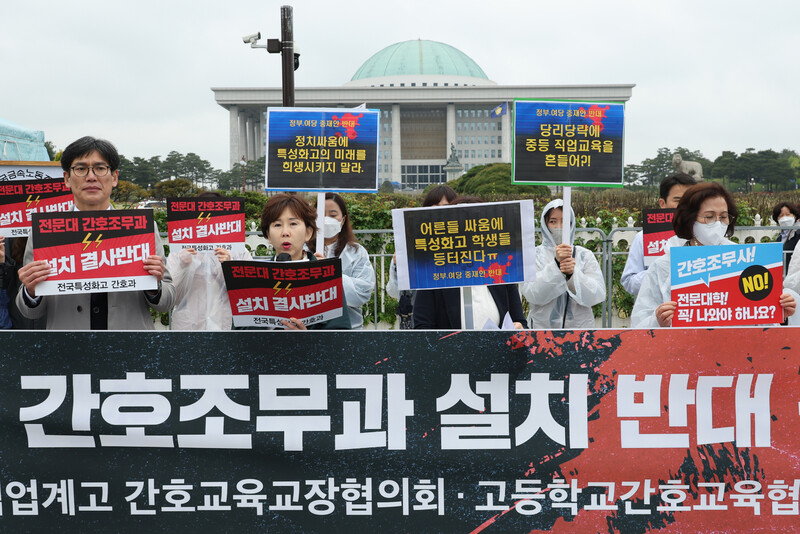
252	38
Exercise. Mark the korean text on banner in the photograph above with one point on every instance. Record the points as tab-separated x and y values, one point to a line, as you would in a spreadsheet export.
263	293
94	251
727	285
568	143
465	245
205	224
20	199
319	149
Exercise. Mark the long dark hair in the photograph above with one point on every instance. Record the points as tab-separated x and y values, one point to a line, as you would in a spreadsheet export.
346	235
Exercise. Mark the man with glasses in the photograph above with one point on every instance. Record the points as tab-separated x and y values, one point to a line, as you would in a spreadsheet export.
91	171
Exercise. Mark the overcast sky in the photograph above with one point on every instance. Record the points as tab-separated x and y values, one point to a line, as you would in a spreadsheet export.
709	75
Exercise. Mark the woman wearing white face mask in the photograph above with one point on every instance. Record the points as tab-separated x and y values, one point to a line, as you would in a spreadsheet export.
358	274
706	215
786	215
568	279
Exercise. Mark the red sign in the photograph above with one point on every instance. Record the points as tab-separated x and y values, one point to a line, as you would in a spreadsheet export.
264	293
94	251
656	231
206	223
20	199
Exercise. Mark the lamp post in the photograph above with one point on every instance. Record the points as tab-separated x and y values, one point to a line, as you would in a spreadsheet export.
243	163
290	59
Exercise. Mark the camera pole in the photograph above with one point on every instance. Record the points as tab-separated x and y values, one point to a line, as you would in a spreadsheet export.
287	55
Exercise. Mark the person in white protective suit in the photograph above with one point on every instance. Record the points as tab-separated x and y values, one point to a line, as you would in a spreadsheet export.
358	274
200	293
568	278
706	215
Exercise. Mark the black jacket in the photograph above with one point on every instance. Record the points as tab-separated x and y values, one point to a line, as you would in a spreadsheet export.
440	309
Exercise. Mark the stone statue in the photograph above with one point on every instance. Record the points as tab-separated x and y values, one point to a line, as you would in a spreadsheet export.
692	168
453	158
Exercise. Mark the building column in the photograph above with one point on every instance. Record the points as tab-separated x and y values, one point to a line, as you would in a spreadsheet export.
251	138
396	144
242	136
234	134
260	135
508	135
451	128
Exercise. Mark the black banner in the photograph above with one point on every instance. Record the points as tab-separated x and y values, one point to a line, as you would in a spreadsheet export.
396	431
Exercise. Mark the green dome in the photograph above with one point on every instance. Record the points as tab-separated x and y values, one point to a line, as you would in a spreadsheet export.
419	58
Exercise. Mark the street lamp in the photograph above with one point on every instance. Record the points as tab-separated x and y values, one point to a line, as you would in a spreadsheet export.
243	164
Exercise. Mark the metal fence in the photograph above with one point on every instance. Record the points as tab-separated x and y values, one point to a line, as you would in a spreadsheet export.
612	245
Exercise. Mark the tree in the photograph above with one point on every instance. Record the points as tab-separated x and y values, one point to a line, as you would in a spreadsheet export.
172	166
492	179
127	192
386	187
51	150
253	176
179	187
127	170
144	173
196	169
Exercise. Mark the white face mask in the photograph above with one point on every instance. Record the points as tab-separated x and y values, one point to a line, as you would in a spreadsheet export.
332	227
786	221
710	234
558	235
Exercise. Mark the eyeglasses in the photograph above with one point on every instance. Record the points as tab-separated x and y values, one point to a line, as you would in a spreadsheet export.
709	219
82	170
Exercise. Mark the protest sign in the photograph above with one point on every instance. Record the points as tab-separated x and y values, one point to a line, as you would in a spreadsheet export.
568	431
30	170
656	231
322	149
94	251
206	223
262	293
727	285
19	199
465	245
568	143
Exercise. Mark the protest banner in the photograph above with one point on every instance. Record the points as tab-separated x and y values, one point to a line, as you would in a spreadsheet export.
465	245
262	293
205	224
19	199
727	285
656	231
322	149
564	431
94	251
564	143
30	170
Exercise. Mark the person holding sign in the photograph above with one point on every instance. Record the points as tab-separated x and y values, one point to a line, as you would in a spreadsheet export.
670	193
706	215
91	171
289	222
201	300
568	278
445	308
440	195
358	274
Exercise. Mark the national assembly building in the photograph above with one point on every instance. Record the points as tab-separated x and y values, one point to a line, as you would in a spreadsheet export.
430	96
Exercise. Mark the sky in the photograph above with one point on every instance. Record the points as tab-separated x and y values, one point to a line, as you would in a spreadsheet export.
710	75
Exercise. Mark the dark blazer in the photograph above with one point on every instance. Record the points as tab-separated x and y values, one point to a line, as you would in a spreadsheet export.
440	309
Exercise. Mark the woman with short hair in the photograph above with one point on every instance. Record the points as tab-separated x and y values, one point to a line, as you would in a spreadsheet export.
706	215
